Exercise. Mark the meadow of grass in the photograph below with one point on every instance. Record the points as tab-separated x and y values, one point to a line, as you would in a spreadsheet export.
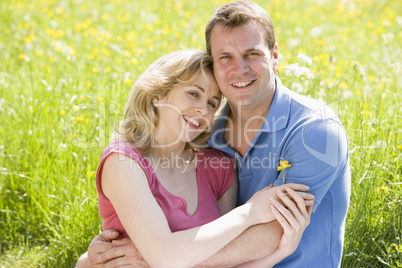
66	67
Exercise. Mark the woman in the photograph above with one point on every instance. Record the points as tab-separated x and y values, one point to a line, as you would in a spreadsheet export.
156	187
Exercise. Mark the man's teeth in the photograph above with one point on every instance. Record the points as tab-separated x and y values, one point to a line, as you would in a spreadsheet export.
192	121
242	84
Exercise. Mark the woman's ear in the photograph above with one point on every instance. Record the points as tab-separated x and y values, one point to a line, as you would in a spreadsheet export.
155	101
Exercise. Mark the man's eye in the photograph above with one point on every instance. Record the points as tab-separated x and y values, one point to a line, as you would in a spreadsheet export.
224	57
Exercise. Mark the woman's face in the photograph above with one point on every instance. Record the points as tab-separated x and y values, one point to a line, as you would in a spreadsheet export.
186	111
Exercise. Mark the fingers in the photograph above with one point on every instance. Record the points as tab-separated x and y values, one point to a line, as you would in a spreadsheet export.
301	205
122	242
109	235
113	253
98	247
279	211
291	211
95	250
124	256
297	214
294	186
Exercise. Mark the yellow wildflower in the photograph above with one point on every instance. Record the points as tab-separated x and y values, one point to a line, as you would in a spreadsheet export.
358	92
385	189
127	81
282	166
399	147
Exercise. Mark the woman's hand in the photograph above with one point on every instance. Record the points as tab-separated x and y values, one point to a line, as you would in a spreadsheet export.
293	214
261	201
294	219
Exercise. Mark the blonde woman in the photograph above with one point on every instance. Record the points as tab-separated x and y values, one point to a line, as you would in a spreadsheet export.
159	186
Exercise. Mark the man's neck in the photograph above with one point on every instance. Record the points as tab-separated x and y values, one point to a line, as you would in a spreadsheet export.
244	123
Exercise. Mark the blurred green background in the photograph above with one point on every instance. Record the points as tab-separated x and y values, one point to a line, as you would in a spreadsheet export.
66	68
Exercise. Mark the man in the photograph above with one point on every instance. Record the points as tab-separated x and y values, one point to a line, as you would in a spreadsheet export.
264	123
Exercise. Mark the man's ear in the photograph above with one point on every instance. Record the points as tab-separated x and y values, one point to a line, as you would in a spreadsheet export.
275	52
275	57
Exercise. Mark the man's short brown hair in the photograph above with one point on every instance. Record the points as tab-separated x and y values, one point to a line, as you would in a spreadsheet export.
240	13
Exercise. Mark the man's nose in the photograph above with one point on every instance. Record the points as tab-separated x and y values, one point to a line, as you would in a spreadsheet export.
241	65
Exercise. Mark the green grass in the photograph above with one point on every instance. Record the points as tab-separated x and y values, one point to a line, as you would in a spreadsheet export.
66	69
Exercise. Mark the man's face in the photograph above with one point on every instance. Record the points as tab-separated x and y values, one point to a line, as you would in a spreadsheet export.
243	64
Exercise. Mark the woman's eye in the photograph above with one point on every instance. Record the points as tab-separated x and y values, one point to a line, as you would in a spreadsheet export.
194	94
212	104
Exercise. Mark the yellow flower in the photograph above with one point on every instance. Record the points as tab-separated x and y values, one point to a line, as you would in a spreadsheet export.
282	166
385	189
127	81
358	93
399	147
99	99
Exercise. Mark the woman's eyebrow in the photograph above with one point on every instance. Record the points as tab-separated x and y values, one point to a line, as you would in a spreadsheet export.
203	90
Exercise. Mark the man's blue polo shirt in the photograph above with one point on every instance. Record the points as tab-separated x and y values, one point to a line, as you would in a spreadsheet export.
309	135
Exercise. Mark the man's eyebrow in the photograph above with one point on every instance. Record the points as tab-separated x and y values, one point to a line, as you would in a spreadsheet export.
252	49
203	90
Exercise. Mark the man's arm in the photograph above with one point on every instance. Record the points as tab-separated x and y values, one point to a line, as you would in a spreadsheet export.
106	252
256	242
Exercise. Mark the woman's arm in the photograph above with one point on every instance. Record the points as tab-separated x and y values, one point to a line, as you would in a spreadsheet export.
125	184
294	219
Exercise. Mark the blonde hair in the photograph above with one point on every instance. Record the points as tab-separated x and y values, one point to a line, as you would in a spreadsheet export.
141	117
239	13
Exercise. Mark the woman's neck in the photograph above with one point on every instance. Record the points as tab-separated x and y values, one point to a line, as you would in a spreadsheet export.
173	157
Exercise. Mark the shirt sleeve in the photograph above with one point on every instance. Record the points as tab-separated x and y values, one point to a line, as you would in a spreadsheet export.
123	149
226	175
219	171
318	154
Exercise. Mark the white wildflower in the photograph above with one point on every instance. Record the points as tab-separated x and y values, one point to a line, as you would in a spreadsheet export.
304	58
292	42
387	37
297	71
299	31
347	94
297	87
399	20
316	32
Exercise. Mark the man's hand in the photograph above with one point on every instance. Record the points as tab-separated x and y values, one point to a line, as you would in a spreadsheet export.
106	252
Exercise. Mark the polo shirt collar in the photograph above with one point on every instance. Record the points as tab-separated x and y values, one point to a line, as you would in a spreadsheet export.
278	115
